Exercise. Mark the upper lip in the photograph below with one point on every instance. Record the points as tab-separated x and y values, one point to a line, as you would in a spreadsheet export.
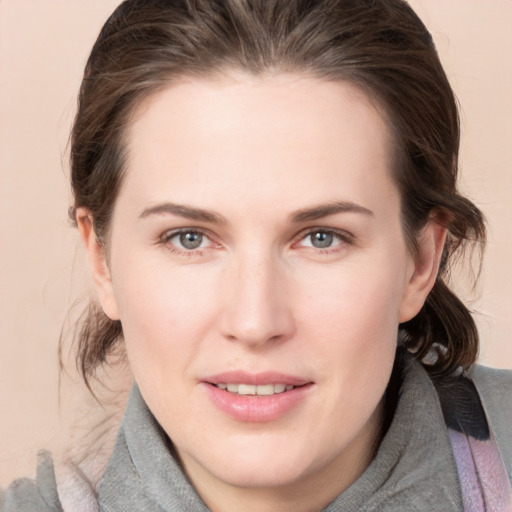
257	379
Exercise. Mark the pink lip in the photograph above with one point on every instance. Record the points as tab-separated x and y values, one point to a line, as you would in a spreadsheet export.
241	377
256	409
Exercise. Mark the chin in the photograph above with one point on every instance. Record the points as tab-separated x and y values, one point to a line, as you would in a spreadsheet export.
257	464
259	474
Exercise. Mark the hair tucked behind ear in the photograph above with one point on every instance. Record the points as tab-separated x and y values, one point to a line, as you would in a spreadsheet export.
378	45
446	326
96	338
444	329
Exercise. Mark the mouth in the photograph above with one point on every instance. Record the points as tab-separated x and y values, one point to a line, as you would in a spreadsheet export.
257	397
253	389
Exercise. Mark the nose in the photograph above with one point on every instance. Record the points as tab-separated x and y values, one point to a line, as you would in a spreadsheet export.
257	309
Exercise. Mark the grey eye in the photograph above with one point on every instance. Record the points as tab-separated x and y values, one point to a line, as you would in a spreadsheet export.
321	239
191	240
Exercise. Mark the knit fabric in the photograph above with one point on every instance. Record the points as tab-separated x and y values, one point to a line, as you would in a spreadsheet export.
483	475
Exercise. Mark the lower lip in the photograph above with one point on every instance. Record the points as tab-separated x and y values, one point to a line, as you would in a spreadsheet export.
256	409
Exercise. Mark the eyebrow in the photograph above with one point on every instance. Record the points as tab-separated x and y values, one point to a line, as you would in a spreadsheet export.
324	210
187	212
304	215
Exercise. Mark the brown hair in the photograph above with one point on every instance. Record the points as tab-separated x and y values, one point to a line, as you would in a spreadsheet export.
379	45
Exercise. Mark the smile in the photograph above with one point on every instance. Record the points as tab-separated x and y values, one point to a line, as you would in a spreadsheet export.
255	390
257	398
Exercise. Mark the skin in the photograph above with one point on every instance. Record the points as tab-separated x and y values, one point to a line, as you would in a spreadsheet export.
257	295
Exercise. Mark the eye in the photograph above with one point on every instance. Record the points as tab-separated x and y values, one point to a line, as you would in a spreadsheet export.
189	240
322	239
186	240
325	239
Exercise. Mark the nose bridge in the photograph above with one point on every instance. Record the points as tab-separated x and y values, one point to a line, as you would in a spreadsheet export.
256	309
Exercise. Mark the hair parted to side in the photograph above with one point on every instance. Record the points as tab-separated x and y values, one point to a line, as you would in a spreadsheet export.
378	45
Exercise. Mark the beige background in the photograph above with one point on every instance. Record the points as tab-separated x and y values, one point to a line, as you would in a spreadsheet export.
43	47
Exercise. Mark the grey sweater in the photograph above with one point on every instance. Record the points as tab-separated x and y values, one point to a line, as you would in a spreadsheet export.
413	470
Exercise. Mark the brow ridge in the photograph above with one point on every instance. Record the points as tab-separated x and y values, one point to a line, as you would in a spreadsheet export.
324	210
303	215
185	211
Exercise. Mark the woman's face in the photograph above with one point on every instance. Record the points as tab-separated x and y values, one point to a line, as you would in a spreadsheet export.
256	243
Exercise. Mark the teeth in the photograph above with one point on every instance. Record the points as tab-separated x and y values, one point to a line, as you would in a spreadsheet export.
251	389
266	390
279	388
246	389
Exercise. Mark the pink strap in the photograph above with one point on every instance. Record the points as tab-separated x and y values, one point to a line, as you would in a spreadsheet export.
484	481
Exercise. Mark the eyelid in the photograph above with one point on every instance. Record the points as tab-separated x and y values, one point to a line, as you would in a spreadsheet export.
343	234
166	237
346	238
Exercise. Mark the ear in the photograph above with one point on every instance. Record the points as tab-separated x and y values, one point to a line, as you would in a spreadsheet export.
98	264
423	270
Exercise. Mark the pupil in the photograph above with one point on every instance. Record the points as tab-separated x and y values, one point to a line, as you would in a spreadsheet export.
321	240
191	240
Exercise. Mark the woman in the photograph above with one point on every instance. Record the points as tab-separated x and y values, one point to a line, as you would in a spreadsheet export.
266	194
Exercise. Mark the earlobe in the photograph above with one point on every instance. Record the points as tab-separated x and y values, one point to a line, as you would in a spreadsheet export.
424	269
98	264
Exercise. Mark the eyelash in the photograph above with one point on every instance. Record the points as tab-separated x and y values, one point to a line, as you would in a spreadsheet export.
345	238
166	238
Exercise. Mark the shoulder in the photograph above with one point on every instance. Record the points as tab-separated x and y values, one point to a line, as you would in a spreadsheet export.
495	390
485	377
51	491
26	495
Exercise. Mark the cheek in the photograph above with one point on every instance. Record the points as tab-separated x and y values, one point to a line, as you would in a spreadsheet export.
164	313
349	329
361	299
353	319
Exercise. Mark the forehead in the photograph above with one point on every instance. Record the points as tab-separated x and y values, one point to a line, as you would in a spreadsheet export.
262	132
251	101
